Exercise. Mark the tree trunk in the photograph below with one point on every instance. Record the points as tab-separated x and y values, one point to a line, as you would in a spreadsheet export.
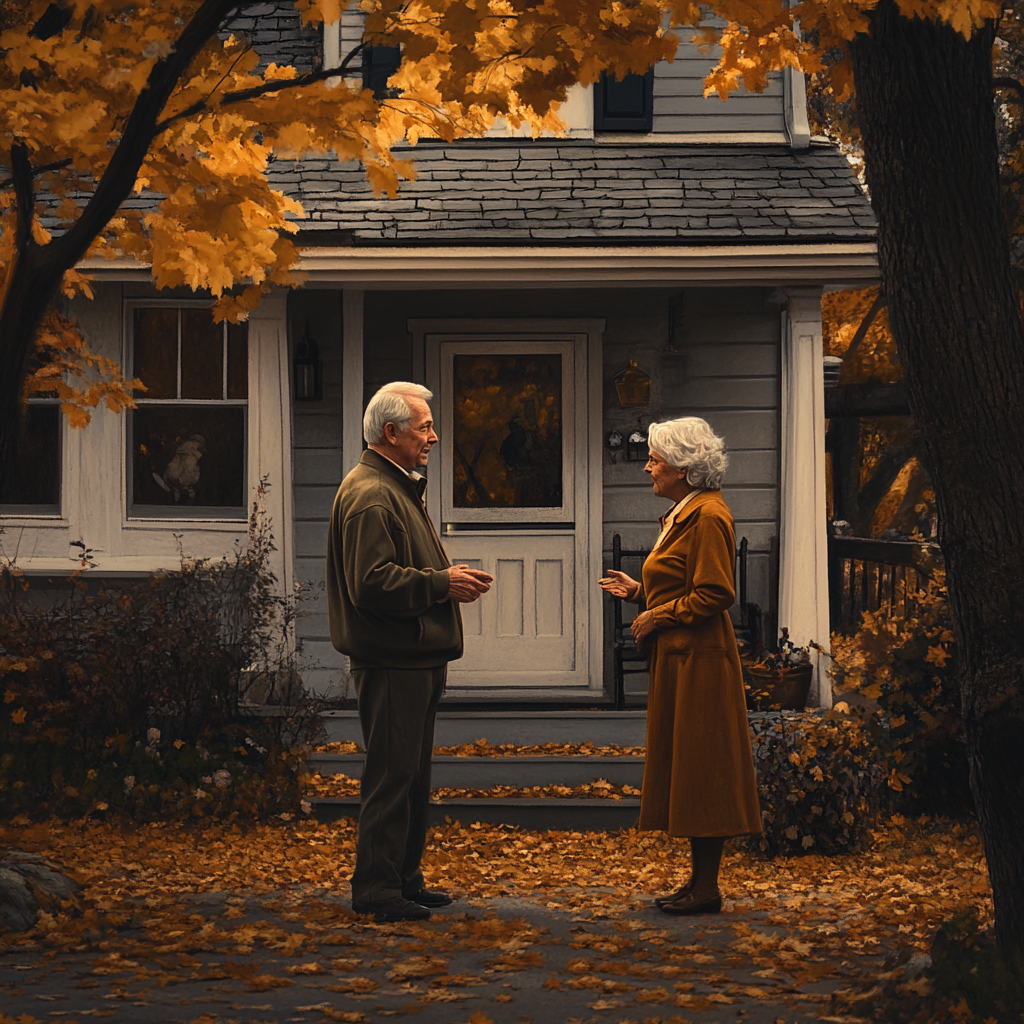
924	101
34	284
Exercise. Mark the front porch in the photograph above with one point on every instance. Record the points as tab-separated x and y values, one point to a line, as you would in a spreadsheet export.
744	353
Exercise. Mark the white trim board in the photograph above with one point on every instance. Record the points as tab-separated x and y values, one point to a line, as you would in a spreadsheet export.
537	266
558	266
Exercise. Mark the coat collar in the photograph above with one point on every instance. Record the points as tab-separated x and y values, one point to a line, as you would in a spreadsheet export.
704	498
375	460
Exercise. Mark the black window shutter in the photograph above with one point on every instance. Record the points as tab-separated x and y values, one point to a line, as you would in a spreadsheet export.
626	106
379	64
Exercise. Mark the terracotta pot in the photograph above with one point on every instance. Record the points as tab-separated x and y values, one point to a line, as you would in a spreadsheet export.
785	689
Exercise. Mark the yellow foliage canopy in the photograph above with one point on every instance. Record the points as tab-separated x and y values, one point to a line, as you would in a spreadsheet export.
73	79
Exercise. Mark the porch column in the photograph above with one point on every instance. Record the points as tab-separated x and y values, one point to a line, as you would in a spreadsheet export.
352	378
803	543
270	425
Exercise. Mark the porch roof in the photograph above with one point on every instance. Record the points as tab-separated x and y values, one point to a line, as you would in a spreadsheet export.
514	191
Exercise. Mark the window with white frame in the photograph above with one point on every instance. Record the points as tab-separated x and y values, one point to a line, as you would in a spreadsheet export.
33	485
187	444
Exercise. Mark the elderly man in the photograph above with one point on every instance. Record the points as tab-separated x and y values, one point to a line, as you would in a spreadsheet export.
392	603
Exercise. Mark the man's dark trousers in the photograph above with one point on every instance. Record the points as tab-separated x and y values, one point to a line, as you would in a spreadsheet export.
396	711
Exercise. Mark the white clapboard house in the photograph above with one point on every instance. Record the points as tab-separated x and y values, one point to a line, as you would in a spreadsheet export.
668	257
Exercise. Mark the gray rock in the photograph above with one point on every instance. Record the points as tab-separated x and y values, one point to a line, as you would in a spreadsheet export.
18	907
28	884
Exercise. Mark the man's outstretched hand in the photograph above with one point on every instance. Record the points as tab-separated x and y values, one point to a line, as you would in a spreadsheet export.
465	585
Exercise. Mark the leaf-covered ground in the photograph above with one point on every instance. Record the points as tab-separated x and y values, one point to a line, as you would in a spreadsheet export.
482	748
345	785
218	923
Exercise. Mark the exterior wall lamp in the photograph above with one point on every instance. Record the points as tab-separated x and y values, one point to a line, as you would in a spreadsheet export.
307	370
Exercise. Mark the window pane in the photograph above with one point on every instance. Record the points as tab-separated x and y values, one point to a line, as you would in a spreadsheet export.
189	455
507	431
238	360
155	356
202	355
35	480
624	98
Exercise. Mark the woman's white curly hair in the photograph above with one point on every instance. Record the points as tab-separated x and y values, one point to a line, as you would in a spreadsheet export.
690	443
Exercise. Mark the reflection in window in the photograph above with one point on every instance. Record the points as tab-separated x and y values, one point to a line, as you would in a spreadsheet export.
32	487
188	435
507	431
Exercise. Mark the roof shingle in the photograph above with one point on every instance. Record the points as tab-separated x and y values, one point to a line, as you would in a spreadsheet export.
569	191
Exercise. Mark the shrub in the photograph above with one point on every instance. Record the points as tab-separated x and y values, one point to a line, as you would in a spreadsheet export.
901	675
818	782
968	967
129	696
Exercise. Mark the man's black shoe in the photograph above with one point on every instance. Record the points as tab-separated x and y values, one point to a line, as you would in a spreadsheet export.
394	909
429	898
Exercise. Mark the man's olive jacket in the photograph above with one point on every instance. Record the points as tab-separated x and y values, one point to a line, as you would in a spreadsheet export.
387	589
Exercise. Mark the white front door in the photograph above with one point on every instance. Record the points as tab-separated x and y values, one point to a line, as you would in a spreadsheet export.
510	486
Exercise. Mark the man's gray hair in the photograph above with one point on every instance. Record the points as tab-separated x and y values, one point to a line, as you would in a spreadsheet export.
691	444
389	405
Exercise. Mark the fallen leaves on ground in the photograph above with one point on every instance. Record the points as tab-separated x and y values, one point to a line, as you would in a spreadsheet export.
346	786
789	923
481	748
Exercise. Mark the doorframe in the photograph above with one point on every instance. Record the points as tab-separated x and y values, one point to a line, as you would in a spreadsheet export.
591	331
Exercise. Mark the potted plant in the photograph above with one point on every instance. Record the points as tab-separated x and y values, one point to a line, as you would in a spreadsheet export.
779	679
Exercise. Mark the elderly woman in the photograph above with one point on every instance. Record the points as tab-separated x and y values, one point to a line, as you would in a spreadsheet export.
699	775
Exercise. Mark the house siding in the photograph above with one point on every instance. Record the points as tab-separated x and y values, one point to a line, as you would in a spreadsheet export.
316	473
680	104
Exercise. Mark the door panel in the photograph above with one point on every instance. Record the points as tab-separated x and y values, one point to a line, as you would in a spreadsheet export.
515	634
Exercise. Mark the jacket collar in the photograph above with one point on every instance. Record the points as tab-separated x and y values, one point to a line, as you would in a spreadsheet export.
691	506
375	460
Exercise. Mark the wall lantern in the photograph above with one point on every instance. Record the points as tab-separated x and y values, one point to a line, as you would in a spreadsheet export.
633	385
308	370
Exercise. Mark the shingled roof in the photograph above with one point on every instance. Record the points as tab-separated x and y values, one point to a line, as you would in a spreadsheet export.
507	191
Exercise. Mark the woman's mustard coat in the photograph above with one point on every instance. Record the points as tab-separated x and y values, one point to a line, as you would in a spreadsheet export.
699	774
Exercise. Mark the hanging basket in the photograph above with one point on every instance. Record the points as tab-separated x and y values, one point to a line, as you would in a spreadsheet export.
782	689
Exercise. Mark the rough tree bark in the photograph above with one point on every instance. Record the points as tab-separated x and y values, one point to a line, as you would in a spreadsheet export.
924	100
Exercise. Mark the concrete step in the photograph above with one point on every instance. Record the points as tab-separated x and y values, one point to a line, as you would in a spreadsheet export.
523	728
541	814
485	772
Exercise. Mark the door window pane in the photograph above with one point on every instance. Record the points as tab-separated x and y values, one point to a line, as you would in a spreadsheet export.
155	352
34	484
189	455
507	431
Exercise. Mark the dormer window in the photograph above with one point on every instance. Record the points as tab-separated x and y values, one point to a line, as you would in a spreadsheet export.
626	105
379	64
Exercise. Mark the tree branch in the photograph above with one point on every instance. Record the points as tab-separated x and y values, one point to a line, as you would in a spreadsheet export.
139	132
865	324
242	95
21	177
55	166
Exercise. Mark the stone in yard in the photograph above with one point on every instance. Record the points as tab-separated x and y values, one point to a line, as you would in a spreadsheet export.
30	883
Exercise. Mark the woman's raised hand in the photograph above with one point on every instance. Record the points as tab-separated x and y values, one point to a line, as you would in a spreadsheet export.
618	584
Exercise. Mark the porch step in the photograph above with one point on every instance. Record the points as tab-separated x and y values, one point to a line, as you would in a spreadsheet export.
522	728
540	814
485	772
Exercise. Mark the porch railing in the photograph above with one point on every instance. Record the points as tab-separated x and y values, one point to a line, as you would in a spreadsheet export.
868	574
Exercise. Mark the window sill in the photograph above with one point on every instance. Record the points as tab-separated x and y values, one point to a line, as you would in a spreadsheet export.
31	518
222	523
